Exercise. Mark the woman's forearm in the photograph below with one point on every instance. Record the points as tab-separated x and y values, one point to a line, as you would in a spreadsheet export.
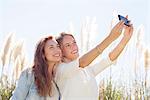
87	58
118	49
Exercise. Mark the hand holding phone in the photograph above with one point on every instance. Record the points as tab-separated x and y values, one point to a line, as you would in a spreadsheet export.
126	21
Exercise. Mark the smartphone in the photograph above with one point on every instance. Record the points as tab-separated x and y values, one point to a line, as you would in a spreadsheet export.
126	21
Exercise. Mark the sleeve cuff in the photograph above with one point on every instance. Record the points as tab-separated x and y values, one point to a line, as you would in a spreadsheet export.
110	61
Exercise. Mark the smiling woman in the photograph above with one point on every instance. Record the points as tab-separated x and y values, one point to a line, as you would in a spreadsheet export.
76	72
69	46
37	83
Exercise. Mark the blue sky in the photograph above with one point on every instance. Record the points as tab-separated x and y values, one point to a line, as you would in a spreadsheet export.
32	19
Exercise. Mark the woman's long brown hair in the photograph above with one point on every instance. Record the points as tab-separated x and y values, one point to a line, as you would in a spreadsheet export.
43	79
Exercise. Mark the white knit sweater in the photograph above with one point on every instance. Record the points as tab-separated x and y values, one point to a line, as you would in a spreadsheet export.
77	83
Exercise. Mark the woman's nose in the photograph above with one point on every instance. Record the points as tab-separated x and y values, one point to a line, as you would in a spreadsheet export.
58	50
74	46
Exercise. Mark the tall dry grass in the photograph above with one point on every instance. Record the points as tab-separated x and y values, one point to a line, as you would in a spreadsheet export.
147	67
6	50
17	50
17	68
14	53
147	59
139	89
89	31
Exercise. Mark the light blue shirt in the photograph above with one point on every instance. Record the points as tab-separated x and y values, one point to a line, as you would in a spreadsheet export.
27	90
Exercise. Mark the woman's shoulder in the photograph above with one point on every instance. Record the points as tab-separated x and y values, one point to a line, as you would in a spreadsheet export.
71	63
64	69
28	73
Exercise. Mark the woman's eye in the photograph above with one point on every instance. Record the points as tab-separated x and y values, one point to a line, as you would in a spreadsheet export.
67	45
58	46
51	47
74	42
